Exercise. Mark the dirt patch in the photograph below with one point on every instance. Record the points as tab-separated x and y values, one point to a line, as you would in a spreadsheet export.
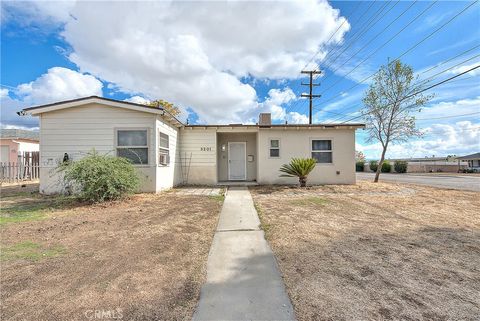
143	258
376	252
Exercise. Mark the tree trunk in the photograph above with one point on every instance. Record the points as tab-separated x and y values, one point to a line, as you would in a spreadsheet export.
303	181
380	163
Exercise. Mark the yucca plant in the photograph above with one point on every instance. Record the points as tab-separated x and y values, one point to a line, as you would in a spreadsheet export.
299	167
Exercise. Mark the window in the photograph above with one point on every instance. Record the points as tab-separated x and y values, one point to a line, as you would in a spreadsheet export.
133	145
322	151
164	150
274	148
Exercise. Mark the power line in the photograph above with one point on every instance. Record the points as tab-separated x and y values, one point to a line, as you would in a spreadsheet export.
371	40
376	50
426	80
334	48
444	117
450	59
299	101
6	86
364	30
404	53
331	36
420	91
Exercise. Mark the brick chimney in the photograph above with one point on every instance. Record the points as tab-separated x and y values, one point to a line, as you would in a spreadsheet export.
265	120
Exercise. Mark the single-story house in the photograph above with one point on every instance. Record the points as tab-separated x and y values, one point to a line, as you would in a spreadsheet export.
167	152
473	161
15	142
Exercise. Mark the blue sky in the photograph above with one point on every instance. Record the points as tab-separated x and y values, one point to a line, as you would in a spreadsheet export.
226	63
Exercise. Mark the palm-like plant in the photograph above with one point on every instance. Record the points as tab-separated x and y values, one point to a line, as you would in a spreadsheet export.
299	167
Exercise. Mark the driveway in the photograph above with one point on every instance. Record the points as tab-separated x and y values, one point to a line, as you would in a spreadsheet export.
460	182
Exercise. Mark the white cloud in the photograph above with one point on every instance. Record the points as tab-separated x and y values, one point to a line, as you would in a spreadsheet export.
297	118
460	69
59	84
3	92
194	53
433	112
56	85
440	139
137	100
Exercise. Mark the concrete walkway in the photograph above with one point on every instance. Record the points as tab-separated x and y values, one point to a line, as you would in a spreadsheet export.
243	282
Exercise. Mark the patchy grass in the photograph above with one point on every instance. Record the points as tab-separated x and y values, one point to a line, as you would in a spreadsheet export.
264	226
312	200
22	208
219	198
145	256
375	251
30	251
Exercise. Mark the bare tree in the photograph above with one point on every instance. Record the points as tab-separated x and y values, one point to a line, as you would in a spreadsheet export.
389	102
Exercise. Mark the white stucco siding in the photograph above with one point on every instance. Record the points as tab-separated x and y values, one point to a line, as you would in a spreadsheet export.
77	131
297	143
198	156
167	176
25	146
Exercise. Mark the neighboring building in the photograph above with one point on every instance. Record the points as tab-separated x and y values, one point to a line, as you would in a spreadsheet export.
14	142
168	153
449	163
473	161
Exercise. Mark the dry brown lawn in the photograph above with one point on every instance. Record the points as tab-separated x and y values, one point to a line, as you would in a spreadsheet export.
376	252
141	259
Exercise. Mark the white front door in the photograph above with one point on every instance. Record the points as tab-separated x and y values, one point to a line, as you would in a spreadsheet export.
237	170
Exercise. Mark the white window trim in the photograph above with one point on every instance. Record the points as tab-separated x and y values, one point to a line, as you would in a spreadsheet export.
270	147
312	150
116	129
160	132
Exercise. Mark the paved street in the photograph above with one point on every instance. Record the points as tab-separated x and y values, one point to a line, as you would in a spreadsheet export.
457	181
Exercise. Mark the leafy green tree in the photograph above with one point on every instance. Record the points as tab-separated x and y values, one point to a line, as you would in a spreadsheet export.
400	166
386	167
373	165
299	167
389	102
169	107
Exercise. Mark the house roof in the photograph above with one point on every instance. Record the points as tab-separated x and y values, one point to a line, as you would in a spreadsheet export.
35	110
299	126
19	134
471	156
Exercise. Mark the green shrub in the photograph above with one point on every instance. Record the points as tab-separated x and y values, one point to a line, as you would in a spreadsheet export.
359	166
386	167
100	178
373	165
400	166
299	167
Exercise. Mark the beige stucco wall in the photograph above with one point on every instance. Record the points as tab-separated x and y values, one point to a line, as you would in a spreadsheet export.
296	143
167	176
197	156
77	131
222	157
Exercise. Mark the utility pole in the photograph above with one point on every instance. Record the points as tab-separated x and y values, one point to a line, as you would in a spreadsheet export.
310	95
